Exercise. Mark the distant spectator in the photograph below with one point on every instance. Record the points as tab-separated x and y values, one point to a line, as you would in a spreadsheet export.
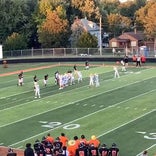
114	51
126	60
143	59
138	61
11	152
134	58
28	151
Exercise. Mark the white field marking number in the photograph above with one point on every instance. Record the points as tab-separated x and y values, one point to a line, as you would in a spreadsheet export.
150	136
50	125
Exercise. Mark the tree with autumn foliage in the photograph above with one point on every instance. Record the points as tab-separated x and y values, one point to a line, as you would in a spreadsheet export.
53	32
88	8
118	23
147	17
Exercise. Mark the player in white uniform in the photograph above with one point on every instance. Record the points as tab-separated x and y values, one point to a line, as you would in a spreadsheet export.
79	74
37	89
116	73
91	82
96	78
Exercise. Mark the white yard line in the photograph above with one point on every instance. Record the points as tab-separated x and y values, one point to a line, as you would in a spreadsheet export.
90	115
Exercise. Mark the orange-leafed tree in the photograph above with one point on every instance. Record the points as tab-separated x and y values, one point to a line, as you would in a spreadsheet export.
147	17
118	23
53	31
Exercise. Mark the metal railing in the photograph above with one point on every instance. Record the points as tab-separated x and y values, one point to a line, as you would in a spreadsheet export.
71	52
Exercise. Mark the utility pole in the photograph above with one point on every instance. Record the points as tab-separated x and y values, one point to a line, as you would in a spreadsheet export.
100	38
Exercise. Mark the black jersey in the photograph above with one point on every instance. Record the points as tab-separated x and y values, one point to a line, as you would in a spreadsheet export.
104	151
113	151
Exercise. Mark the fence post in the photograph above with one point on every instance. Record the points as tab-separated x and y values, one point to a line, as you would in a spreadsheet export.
32	51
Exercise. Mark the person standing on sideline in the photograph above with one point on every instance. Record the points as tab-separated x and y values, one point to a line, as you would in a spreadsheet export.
116	73
28	151
11	152
138	61
36	89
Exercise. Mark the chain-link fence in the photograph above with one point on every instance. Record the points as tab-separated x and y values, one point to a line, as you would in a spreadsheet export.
73	52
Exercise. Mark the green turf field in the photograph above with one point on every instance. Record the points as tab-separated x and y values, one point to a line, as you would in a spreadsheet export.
121	110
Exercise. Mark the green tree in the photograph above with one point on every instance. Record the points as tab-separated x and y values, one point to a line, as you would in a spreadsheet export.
15	41
86	40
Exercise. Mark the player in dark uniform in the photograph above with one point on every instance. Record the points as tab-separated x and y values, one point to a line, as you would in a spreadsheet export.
57	145
93	151
103	150
75	67
82	150
35	78
114	151
48	148
39	148
57	77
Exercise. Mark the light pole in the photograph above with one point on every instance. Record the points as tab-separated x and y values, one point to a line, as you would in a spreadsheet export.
100	38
